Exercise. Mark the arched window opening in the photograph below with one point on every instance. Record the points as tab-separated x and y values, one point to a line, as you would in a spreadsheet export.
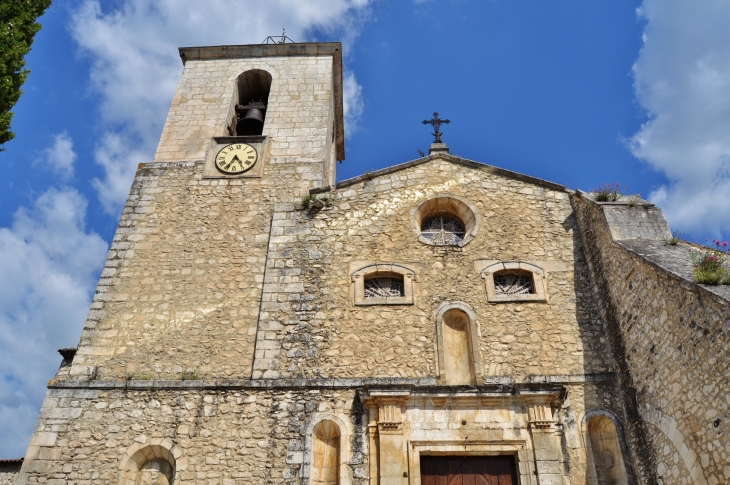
149	465
456	341
443	230
325	454
253	100
155	472
391	286
606	466
514	283
383	284
445	220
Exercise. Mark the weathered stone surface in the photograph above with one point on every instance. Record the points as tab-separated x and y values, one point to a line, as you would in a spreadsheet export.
9	472
670	338
231	322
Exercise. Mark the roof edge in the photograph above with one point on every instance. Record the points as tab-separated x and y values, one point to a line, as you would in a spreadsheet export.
333	49
453	159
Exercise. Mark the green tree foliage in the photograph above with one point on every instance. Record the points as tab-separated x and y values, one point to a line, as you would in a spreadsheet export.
18	26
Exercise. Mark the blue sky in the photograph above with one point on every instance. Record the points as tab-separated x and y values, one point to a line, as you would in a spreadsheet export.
575	92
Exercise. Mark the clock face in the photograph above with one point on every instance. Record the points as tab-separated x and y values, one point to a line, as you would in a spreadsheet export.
236	158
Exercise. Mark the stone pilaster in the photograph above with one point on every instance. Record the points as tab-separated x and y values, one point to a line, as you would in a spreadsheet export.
546	444
392	467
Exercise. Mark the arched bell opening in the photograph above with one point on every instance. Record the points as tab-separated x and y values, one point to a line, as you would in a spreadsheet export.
253	100
325	454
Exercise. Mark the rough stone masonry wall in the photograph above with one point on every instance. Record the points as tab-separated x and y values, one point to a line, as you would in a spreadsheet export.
298	118
181	286
309	326
671	338
9	475
224	436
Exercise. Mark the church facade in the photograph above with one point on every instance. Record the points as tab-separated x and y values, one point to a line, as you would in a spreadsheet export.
438	321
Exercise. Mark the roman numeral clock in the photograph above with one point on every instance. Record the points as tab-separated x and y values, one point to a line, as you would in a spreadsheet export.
235	157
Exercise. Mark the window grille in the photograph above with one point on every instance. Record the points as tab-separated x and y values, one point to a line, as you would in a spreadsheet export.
384	287
443	230
513	284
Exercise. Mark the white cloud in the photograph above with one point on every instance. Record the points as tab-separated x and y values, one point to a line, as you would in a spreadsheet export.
135	66
119	157
60	157
682	79
48	269
353	103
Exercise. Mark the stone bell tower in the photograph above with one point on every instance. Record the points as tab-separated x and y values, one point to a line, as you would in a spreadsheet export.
181	288
297	89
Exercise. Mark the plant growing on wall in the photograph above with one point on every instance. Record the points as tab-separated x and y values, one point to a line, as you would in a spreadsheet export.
307	200
607	192
674	239
711	265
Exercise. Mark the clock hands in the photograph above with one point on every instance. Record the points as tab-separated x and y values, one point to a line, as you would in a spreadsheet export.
235	158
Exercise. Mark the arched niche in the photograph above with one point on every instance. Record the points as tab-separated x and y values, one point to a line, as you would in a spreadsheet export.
603	450
326	451
325	454
252	92
154	463
458	348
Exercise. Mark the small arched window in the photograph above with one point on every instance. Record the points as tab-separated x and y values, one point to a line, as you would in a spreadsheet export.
150	465
325	454
445	220
514	281
383	284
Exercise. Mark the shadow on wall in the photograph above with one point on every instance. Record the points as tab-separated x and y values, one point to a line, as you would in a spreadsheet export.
605	456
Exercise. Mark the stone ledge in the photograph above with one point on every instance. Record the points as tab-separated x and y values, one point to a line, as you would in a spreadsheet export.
490	383
673	261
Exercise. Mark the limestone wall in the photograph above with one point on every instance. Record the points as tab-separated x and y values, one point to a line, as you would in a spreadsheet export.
310	326
181	286
9	473
670	338
225	437
298	119
236	433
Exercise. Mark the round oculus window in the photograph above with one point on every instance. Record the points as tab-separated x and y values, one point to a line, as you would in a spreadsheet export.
443	230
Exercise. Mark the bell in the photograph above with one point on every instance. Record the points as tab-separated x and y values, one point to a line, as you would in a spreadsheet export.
252	123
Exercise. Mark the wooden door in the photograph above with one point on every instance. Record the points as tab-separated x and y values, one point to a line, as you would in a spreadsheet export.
468	470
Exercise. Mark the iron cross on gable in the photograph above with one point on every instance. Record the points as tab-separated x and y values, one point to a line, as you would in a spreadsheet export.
436	122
